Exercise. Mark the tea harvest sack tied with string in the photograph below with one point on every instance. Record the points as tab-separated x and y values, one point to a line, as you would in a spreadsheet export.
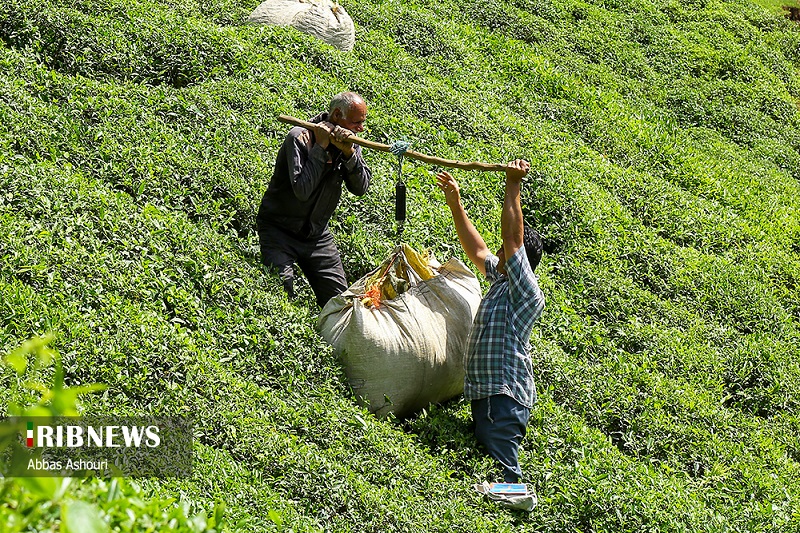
401	331
324	19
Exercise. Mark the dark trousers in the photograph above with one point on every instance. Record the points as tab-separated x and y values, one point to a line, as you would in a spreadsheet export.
317	257
500	426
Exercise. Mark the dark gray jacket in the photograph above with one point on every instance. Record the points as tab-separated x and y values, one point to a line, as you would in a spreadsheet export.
307	183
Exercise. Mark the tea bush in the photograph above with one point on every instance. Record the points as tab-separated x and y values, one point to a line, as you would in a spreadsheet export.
65	504
138	137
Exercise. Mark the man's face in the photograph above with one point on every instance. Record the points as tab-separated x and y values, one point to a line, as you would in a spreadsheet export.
354	119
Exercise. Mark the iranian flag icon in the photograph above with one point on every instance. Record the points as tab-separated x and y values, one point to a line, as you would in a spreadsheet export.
30	435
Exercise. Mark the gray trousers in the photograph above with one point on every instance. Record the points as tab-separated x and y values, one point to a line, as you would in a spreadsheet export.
500	425
317	257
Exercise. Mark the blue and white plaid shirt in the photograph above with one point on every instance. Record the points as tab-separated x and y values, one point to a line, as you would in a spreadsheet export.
498	359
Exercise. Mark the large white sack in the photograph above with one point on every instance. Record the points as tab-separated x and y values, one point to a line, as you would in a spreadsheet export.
324	19
409	352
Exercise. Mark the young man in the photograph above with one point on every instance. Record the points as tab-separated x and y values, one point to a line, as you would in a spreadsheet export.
304	192
499	373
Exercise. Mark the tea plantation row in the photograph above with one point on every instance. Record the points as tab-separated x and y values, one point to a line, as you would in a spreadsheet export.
137	140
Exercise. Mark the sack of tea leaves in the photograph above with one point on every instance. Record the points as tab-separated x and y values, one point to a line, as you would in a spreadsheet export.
324	19
401	331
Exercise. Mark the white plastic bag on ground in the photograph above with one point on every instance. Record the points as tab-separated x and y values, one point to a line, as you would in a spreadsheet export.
324	19
519	502
406	352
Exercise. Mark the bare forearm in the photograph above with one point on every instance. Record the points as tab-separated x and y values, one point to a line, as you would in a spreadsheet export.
471	241
512	227
511	222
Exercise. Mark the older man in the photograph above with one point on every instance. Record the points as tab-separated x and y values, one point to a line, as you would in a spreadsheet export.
499	372
304	192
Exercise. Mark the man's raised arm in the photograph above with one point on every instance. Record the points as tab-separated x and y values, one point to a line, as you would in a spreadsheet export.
512	226
472	242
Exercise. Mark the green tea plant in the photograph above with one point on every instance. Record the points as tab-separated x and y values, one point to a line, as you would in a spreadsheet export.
137	138
79	505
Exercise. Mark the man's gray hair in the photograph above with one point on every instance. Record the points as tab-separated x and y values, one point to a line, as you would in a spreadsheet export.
344	102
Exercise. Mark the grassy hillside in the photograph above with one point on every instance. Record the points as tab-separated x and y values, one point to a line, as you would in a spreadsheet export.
136	139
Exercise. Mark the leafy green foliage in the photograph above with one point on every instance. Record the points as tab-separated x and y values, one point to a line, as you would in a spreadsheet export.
137	138
79	506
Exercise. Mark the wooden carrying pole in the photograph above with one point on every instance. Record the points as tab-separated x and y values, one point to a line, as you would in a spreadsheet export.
409	153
